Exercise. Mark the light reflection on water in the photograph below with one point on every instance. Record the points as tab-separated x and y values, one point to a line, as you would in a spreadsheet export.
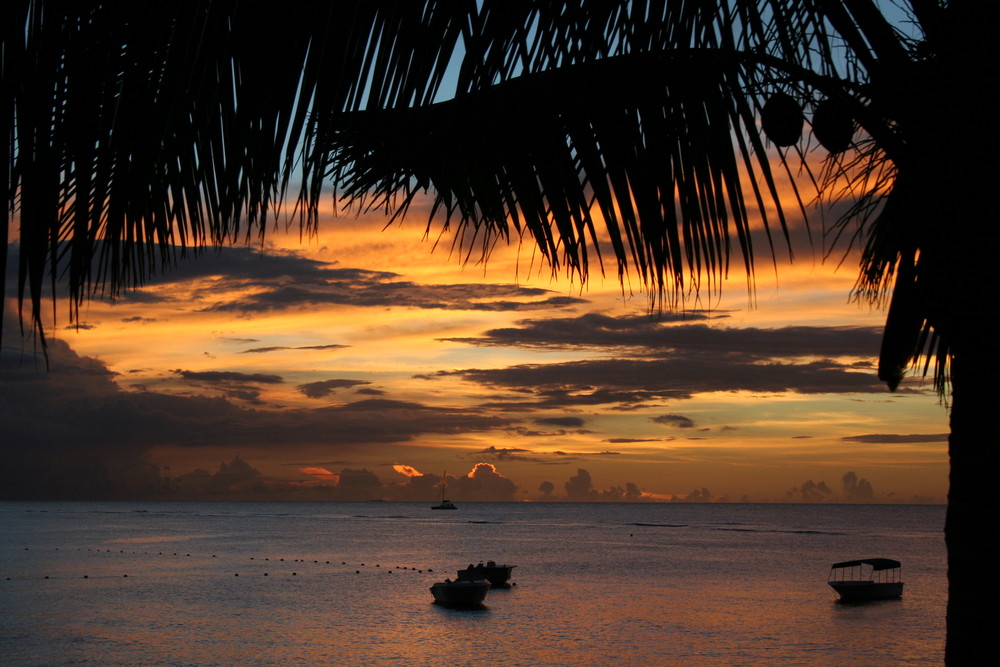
630	584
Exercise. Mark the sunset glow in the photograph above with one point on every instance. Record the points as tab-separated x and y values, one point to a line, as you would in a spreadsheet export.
360	355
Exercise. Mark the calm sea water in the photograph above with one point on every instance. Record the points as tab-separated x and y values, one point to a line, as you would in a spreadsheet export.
347	583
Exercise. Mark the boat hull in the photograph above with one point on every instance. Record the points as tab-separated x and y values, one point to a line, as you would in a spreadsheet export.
497	575
859	591
460	594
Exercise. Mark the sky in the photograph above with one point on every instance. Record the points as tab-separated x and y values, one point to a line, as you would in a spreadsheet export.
365	362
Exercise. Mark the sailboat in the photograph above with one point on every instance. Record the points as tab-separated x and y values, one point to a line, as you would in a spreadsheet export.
445	504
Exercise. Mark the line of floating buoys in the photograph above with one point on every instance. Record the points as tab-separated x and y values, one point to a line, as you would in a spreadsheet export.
389	570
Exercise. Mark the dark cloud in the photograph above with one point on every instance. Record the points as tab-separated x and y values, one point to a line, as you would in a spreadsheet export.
893	438
587	396
224	377
231	384
359	479
234	480
219	265
567	422
857	490
483	483
629	493
238	480
580	487
492	453
90	439
327	387
273	280
262	350
656	362
639	381
701	495
589	330
425	487
382	294
680	421
665	337
810	492
253	264
624	441
854	489
524	432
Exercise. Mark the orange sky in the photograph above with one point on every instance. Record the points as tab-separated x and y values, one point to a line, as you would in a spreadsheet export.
361	349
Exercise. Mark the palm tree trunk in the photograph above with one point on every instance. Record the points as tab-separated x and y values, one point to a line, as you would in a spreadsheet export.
970	527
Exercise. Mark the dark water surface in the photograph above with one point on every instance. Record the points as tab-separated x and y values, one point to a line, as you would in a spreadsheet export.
338	583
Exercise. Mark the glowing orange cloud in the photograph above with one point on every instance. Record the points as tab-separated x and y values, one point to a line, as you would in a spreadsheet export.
483	469
409	471
322	473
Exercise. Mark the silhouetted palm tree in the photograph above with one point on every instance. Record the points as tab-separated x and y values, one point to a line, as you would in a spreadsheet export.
136	130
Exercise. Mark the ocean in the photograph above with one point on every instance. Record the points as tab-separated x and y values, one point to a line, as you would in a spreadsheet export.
92	583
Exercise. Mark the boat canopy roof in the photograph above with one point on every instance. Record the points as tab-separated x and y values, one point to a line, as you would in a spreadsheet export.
876	563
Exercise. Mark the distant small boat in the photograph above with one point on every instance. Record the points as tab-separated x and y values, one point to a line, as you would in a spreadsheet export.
445	504
866	579
497	575
460	594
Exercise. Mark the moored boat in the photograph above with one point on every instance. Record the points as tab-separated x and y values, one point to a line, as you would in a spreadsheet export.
497	575
445	504
460	594
866	579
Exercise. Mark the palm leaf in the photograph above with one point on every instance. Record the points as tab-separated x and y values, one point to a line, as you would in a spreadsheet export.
139	133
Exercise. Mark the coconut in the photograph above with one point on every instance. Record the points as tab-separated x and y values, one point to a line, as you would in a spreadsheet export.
782	119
